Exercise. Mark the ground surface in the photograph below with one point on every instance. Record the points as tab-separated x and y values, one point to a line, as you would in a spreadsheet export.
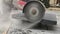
7	21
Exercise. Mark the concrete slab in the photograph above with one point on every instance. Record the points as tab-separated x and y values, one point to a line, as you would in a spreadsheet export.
12	23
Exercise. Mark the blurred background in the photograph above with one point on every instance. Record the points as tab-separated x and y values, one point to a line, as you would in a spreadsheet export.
50	4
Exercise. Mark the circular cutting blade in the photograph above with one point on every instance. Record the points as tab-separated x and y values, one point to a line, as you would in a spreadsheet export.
34	11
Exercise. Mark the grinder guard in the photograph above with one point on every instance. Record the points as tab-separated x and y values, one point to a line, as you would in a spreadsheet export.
34	11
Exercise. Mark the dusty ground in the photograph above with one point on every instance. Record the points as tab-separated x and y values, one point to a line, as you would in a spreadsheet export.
6	21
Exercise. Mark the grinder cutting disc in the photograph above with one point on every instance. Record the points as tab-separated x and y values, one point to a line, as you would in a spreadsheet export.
34	11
